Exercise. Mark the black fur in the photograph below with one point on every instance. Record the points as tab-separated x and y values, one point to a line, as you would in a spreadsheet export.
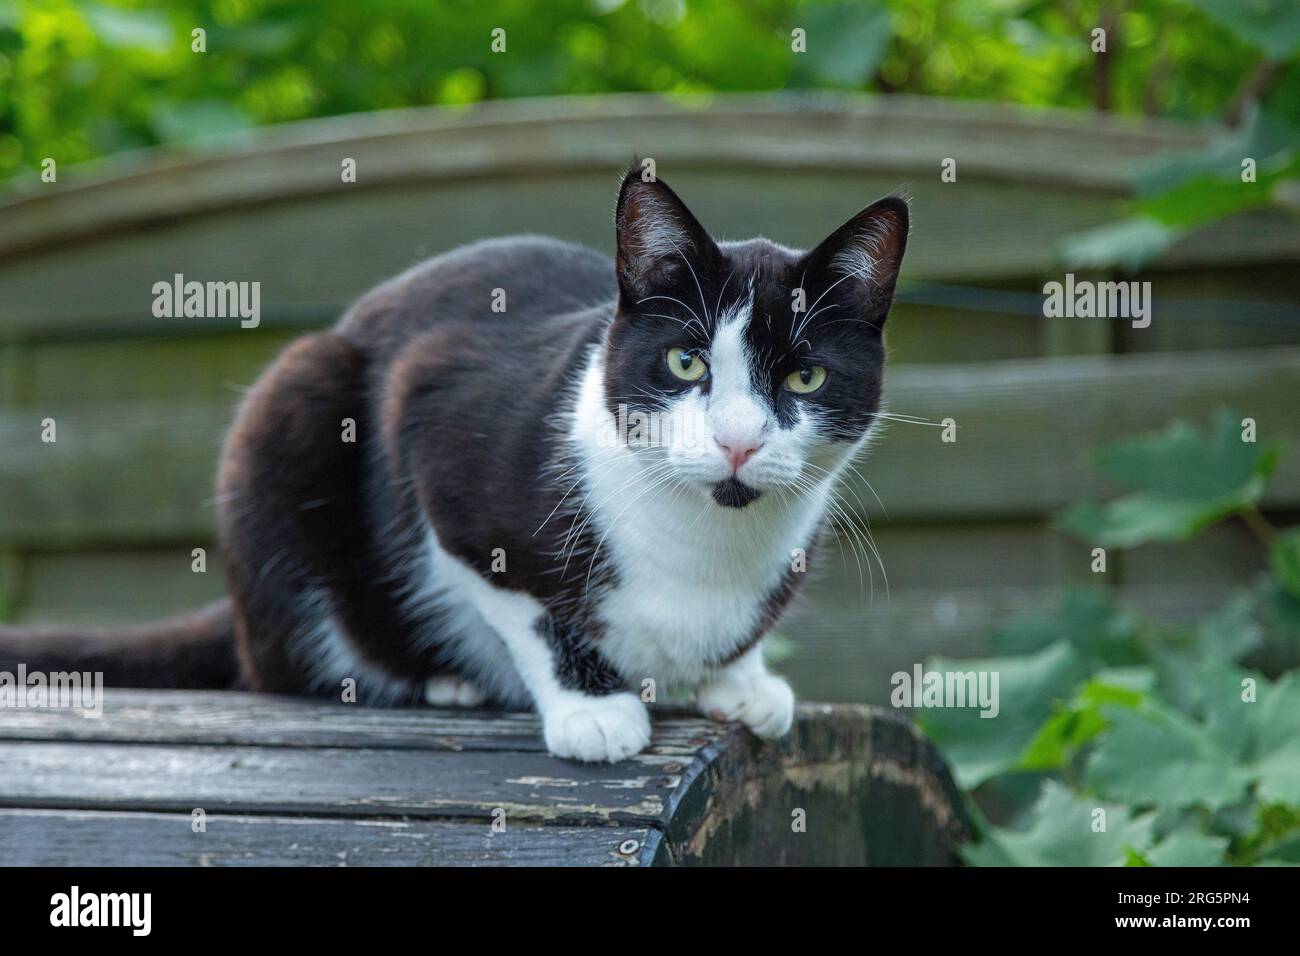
458	411
580	665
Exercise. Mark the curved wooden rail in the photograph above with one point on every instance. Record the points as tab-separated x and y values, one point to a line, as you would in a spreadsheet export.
274	204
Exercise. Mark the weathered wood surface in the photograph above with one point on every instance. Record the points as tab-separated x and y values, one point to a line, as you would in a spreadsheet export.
286	781
275	209
107	838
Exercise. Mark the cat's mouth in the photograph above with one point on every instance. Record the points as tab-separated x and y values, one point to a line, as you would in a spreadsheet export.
734	493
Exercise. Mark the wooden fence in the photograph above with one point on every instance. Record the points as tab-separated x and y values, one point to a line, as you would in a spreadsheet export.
99	526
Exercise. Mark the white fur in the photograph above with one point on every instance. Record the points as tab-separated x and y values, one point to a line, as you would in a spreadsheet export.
861	257
574	724
692	576
657	233
745	691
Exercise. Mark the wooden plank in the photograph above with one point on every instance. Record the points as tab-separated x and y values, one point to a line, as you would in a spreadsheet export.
11	576
77	586
229	718
141	471
359	783
131	472
184	365
920	333
1027	430
313	256
897	132
95	838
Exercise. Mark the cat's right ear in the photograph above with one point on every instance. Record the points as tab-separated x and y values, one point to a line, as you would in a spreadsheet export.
863	256
659	240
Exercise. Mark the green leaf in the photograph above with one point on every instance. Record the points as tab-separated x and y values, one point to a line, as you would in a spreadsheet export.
1061	833
129	29
1080	721
1277	740
1183	462
1269	137
1185	481
1207	198
1285	560
1272	26
846	42
1127	245
1231	633
1188	848
1144	517
1061	738
1285	852
1183	190
1156	756
1028	687
1103	634
197	121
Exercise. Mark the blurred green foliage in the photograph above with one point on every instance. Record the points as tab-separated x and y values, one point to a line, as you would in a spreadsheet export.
80	80
1187	736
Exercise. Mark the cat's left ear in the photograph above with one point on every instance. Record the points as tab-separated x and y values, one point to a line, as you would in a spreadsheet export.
659	240
862	257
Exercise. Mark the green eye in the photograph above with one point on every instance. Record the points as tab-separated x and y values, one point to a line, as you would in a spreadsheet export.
688	366
806	380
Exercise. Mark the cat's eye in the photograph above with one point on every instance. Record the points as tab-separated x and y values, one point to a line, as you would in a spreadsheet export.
686	365
806	380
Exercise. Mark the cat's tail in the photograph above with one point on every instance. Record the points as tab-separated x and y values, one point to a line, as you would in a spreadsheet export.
195	650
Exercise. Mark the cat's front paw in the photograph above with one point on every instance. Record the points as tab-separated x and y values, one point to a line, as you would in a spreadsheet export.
596	729
762	702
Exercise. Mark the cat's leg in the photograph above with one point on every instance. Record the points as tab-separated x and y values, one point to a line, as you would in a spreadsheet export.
293	531
743	690
587	713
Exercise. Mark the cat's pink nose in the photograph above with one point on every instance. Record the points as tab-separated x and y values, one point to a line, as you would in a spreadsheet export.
738	451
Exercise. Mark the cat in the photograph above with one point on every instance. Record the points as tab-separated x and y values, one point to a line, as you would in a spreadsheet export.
452	494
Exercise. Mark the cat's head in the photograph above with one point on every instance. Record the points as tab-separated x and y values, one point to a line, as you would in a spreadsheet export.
747	368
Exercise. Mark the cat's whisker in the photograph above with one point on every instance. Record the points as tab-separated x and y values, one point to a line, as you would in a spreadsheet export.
862	511
826	291
717	308
703	304
703	329
823	488
907	419
577	535
811	492
659	482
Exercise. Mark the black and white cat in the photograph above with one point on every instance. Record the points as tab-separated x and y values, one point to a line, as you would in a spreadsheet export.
505	525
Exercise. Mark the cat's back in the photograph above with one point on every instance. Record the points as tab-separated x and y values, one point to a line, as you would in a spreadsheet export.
515	279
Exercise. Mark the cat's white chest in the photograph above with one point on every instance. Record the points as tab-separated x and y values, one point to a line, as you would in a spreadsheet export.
684	581
681	604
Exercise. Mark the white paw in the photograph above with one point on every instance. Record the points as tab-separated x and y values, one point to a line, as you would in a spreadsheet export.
596	729
762	702
446	691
